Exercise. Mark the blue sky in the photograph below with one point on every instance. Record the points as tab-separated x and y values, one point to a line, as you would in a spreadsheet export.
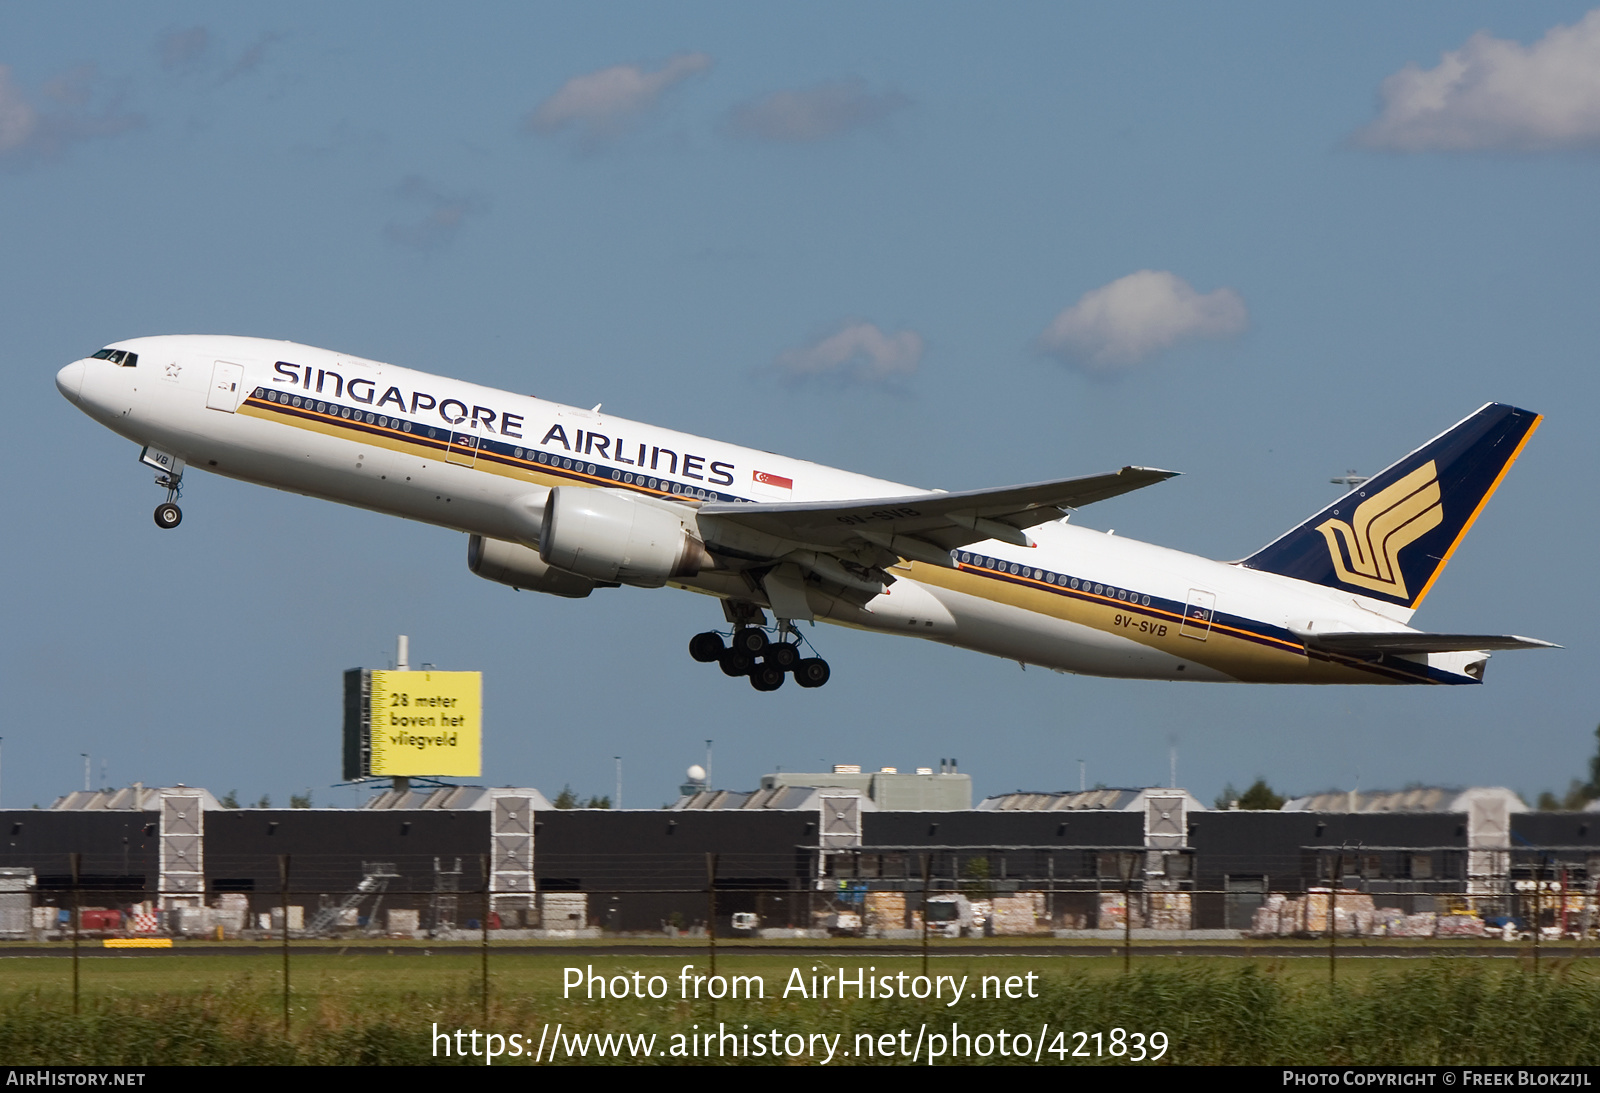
951	245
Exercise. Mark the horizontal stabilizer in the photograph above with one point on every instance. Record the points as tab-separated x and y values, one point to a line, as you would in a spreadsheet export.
1410	642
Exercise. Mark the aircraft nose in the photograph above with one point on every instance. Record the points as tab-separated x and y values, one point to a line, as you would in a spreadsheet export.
69	381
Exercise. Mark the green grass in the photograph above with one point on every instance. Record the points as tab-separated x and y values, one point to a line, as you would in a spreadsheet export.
365	1006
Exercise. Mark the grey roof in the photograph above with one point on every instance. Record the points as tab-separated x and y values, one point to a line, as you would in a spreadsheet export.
890	790
1114	799
467	798
134	798
776	797
1414	799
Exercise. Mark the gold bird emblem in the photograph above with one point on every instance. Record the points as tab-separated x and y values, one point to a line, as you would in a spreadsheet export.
1381	527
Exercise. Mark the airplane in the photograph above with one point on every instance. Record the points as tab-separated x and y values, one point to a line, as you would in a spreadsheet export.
562	500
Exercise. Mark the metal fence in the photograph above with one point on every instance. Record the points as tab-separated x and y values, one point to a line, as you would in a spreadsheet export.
887	892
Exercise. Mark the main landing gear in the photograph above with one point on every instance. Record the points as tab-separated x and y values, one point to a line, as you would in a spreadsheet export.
168	514
750	653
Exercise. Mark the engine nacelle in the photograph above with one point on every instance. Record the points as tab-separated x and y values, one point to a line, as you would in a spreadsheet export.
525	516
608	535
520	567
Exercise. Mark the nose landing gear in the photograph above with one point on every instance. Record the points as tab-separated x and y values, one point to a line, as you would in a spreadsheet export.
169	476
168	514
749	652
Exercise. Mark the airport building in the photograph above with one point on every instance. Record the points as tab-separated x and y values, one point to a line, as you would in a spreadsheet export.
845	851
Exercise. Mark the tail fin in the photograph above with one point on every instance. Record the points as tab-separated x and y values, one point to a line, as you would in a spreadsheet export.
1389	538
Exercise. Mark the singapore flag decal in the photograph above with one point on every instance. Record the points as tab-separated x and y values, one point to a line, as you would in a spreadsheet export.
772	483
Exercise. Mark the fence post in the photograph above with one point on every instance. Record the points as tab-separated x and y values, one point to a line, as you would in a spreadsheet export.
1050	898
1127	912
1538	909
1333	920
487	904
711	919
77	920
927	883
711	909
283	885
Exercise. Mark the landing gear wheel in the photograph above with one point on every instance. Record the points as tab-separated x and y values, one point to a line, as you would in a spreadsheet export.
706	647
168	515
750	641
735	662
766	676
811	672
784	654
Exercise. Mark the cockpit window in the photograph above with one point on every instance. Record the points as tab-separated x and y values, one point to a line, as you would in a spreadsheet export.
119	357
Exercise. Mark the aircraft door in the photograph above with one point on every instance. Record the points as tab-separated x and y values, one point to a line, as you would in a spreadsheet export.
227	385
463	450
1198	613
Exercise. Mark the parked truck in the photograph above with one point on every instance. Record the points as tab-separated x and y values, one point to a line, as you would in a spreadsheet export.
949	915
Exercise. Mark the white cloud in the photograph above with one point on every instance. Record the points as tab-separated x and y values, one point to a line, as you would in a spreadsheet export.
197	52
183	48
73	88
28	134
18	119
599	105
250	59
857	352
442	221
813	113
1498	94
1136	316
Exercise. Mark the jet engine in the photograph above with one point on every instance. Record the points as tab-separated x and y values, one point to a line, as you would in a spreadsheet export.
520	567
609	535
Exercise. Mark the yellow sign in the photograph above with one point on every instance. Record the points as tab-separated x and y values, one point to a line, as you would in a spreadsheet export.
426	723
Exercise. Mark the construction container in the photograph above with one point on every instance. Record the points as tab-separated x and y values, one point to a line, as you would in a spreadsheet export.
563	910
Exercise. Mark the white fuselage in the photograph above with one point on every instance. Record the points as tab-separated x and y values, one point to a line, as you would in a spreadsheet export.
467	457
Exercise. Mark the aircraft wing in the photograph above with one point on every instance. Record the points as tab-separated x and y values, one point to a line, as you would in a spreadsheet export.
922	527
1402	642
926	526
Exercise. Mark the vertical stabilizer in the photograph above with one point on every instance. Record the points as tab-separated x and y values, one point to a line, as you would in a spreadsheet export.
1389	538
